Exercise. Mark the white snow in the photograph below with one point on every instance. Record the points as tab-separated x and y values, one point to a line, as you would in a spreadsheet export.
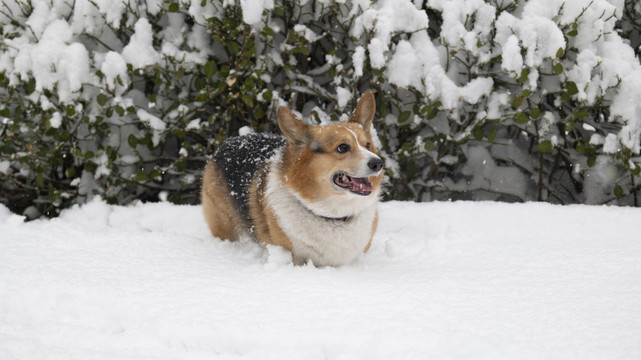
611	144
512	59
154	122
306	32
358	58
245	130
442	280
56	120
114	67
253	10
140	51
342	97
4	167
54	61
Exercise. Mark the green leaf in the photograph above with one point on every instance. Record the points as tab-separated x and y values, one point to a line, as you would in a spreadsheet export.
618	191
574	31
200	83
233	47
492	136
248	100
301	50
591	160
268	95
517	101
279	11
478	133
210	68
119	110
70	109
411	169
154	174
636	170
173	7
102	99
179	133
249	84
141	176
570	125
544	147
181	164
521	118
133	141
571	87
269	31
31	86
559	53
384	110
557	68
70	172
40	180
404	116
230	22
524	75
582	114
429	145
535	112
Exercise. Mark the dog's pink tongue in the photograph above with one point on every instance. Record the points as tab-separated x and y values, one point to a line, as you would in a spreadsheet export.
361	185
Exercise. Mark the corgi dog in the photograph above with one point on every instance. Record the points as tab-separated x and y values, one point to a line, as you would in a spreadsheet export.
313	191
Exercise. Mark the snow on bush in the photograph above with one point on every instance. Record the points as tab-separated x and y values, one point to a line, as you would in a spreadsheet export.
497	99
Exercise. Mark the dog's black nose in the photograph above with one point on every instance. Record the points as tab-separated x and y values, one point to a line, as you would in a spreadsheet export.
375	164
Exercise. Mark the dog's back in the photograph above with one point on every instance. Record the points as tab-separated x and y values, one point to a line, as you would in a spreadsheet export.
227	178
238	158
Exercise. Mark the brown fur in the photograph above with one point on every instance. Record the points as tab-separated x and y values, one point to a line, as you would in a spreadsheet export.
218	207
266	226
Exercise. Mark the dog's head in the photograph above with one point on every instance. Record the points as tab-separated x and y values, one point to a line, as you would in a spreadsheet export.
334	168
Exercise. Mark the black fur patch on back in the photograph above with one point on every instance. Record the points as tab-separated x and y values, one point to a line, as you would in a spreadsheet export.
240	157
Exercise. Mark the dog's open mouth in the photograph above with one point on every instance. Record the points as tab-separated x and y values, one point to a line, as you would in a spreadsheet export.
359	186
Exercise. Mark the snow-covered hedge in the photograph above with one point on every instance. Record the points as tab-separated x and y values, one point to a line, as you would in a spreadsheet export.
497	99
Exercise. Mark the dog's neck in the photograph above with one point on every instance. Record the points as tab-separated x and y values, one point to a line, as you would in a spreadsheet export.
342	219
326	218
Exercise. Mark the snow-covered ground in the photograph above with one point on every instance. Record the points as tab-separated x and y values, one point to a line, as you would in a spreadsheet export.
442	281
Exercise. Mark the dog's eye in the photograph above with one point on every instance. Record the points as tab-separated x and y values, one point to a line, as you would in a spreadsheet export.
342	148
367	146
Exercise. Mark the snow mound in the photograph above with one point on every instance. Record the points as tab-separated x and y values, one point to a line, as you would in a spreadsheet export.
442	280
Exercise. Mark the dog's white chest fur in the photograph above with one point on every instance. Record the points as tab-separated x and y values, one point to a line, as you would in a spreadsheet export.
313	237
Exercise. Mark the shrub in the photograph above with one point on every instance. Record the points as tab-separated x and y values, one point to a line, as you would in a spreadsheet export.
496	99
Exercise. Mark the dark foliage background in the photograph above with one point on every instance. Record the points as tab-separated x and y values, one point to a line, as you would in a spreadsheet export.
144	130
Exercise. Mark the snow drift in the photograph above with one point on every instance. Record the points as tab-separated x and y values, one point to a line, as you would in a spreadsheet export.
442	280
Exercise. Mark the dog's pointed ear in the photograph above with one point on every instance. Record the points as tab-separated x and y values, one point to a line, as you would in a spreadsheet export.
365	110
296	131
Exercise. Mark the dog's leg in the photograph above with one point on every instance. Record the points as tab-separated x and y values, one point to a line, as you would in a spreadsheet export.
265	225
218	206
374	226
